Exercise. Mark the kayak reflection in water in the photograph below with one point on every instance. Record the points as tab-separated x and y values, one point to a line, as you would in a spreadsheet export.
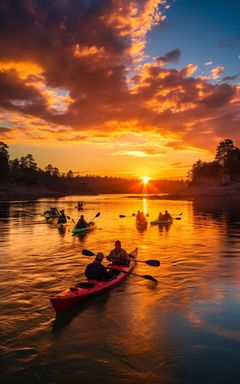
97	271
118	255
82	223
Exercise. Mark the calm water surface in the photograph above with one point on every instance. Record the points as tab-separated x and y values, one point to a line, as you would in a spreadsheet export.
185	329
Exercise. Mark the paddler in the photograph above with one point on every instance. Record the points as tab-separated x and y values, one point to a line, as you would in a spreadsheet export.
62	219
97	271
166	216
160	216
118	255
82	223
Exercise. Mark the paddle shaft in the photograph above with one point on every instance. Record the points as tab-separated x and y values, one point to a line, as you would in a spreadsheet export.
146	277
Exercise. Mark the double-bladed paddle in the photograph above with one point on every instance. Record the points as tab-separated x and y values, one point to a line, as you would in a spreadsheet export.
97	215
133	214
152	263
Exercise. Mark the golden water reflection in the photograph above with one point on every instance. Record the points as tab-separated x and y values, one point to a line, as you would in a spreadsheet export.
142	330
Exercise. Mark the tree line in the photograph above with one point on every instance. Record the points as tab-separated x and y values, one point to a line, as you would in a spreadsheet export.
25	171
224	169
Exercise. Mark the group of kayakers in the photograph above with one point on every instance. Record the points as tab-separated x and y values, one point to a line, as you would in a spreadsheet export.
97	271
53	213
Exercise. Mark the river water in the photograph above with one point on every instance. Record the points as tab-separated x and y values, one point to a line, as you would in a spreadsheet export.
185	329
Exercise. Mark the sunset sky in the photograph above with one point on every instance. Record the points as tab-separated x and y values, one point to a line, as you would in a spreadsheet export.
121	88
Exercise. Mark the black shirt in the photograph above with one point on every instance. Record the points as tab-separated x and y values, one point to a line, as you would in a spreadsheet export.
97	271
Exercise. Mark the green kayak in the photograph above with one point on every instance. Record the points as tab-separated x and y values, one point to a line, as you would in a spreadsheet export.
90	227
51	215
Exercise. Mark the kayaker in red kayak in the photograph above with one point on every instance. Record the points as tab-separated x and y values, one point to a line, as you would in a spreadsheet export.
118	255
82	223
97	271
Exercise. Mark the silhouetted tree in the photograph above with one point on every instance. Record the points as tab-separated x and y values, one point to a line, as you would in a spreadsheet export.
70	173
4	157
225	152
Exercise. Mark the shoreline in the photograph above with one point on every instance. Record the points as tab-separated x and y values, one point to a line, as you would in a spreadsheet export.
14	192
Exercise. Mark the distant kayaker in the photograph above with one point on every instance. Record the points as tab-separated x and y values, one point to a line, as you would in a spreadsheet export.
80	204
166	216
160	216
97	271
140	219
138	215
62	219
118	255
82	223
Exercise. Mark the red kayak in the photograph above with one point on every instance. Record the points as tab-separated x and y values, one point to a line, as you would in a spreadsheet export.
66	299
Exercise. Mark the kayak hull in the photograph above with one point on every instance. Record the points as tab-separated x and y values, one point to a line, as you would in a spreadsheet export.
161	222
70	297
141	224
90	227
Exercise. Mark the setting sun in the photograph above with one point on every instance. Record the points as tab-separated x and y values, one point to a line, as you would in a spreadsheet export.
145	179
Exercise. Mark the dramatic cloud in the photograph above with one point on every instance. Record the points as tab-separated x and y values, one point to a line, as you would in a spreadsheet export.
230	78
216	72
77	71
170	57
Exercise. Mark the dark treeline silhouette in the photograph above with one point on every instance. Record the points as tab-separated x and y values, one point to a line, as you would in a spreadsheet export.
25	172
225	168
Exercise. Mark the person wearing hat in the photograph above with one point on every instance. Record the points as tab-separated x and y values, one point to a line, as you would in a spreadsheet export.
118	255
97	271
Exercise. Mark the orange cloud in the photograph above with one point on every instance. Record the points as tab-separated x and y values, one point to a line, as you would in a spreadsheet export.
216	72
90	83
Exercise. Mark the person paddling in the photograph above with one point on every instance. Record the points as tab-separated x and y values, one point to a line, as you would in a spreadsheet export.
166	216
82	223
62	219
160	216
97	271
118	255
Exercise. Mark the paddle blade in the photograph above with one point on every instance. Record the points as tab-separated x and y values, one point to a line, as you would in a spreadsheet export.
151	278
86	252
98	214
153	263
121	216
133	214
177	218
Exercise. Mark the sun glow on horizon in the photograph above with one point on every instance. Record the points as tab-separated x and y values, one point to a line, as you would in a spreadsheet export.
145	179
